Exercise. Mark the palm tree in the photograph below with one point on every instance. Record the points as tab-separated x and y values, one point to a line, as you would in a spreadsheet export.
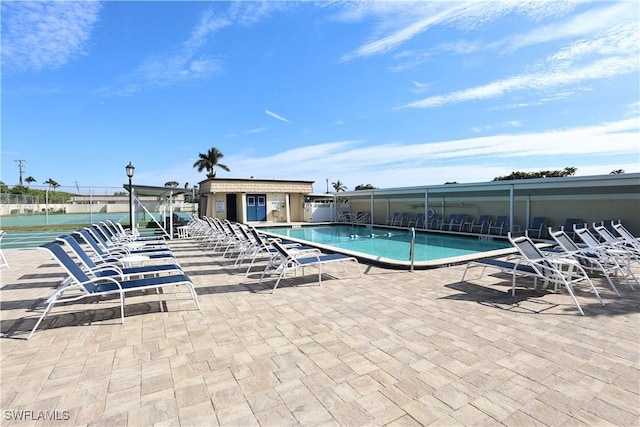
29	180
210	161
52	182
338	186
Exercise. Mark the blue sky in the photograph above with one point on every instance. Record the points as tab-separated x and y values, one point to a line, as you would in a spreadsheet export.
383	93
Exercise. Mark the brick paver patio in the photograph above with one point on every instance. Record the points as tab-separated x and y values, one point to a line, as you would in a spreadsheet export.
388	348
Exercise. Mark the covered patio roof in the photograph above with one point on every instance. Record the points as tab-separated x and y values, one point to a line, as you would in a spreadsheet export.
594	184
149	190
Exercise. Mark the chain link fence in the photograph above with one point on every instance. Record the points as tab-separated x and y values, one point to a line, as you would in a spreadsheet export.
45	205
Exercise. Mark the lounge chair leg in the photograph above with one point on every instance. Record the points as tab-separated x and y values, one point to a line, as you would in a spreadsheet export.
266	267
282	273
249	268
570	290
613	287
632	275
122	306
464	273
45	314
192	289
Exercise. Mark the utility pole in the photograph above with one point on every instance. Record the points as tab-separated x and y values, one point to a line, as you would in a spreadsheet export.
21	168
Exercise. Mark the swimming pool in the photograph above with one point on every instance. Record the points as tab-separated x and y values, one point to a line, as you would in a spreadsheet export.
392	246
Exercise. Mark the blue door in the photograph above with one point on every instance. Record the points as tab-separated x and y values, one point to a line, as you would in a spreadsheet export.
256	207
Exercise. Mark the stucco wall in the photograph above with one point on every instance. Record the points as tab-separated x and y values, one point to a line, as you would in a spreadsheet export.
288	207
284	199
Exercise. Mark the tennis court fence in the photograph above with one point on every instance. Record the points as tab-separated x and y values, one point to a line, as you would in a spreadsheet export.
71	205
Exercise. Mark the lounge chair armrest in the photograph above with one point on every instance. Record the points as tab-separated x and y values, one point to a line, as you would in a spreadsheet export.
566	261
111	267
98	280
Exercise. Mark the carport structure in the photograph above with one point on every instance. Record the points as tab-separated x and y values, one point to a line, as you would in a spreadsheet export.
591	198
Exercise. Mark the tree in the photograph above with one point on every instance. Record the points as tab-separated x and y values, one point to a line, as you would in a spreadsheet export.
19	189
616	172
364	187
29	180
568	171
209	161
52	183
338	186
172	184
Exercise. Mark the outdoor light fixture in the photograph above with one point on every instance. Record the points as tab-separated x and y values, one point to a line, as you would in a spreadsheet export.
130	169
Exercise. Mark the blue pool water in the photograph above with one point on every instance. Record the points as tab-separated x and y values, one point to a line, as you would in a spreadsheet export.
392	244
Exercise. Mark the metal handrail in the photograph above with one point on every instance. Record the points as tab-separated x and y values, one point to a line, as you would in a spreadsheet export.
412	250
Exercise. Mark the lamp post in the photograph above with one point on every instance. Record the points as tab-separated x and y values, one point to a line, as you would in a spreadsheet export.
130	169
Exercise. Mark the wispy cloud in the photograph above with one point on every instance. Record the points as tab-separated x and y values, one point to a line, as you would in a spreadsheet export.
276	116
45	35
589	22
188	61
599	69
485	128
622	39
400	22
396	164
608	48
393	40
418	87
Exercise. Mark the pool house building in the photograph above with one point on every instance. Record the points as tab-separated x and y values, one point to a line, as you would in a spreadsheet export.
254	200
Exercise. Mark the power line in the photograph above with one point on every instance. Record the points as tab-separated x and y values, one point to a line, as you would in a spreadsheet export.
21	168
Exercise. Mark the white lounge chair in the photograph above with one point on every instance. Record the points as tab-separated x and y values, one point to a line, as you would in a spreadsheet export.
537	227
593	260
558	269
626	234
561	270
264	247
98	268
115	253
622	254
3	260
291	262
619	242
85	286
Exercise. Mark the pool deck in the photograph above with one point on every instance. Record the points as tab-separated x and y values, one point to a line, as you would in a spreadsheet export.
389	348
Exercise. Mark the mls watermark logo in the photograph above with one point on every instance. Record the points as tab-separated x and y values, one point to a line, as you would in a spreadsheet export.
29	415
